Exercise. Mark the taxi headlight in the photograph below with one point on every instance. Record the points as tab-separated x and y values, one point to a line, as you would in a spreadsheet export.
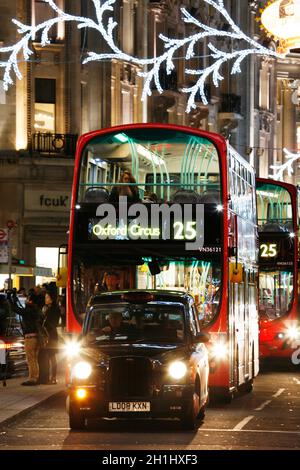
177	369
82	370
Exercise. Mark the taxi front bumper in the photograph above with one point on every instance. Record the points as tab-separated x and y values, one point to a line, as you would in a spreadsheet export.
170	401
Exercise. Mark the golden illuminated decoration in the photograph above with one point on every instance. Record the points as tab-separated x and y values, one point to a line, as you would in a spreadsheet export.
281	19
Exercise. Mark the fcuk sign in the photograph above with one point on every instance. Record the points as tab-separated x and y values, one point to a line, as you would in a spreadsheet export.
43	200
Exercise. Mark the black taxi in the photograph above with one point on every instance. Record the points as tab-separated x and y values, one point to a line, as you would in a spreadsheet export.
141	354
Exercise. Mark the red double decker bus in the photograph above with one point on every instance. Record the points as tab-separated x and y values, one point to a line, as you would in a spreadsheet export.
132	184
278	268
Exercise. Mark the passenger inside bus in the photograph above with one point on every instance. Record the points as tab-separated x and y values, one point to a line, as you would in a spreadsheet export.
111	281
130	191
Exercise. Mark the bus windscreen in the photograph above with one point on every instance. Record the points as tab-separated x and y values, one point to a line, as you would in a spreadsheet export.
142	195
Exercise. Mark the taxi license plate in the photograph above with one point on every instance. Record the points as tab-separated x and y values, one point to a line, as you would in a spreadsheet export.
129	406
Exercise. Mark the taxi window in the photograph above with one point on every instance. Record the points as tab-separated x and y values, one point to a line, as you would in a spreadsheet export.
150	322
193	321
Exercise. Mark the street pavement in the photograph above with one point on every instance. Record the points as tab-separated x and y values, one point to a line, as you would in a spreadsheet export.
16	399
266	419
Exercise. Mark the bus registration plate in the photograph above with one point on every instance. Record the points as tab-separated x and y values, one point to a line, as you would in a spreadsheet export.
129	406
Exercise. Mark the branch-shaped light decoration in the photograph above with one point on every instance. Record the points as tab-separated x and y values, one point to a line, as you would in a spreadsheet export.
171	46
287	166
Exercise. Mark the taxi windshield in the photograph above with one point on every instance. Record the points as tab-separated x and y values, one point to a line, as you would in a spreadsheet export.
151	322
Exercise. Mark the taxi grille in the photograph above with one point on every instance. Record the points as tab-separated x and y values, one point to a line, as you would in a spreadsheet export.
130	377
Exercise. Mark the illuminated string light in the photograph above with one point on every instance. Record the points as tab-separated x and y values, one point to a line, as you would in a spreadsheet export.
287	166
171	46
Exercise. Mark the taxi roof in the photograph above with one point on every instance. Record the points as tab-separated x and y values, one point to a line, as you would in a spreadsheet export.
162	295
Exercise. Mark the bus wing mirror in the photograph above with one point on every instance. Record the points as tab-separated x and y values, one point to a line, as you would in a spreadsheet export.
62	270
202	338
61	278
236	273
154	267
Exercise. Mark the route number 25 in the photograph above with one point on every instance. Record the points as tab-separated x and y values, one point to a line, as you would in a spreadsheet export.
268	250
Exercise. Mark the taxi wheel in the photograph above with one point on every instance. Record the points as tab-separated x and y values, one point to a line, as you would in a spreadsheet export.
191	417
201	414
76	420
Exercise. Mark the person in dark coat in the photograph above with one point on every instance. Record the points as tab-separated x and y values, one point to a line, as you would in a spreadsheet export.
4	314
130	191
51	319
31	318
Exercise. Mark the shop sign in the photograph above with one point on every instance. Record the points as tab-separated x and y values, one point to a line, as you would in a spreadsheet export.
3	235
49	201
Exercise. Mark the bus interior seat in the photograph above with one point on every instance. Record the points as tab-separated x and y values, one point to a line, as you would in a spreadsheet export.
274	227
210	197
150	198
96	195
271	313
289	226
185	196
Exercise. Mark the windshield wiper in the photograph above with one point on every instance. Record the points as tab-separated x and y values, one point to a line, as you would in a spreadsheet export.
154	340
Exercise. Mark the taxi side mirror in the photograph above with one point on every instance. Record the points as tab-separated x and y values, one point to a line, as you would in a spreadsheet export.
201	338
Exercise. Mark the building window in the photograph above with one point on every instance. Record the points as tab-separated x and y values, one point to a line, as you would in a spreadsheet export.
41	11
128	27
84	31
298	138
127	104
46	257
44	107
84	108
264	88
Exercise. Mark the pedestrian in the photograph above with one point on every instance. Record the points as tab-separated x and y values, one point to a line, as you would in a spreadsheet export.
51	314
62	308
40	296
31	319
4	314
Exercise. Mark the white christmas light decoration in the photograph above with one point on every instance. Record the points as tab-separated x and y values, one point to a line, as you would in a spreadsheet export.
280	169
171	45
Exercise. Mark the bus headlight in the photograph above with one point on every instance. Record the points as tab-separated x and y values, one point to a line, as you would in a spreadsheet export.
293	333
219	350
177	369
72	349
82	370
